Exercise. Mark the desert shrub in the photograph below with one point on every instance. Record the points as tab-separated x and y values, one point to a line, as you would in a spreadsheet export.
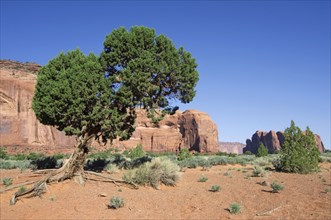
191	162
112	168
154	173
184	154
18	157
249	159
202	179
262	151
259	172
7	181
13	164
234	208
205	164
116	203
187	164
106	154
60	156
34	156
161	154
22	189
325	157
261	161
276	187
248	152
226	154
3	154
299	153
215	188
218	160
136	152
129	176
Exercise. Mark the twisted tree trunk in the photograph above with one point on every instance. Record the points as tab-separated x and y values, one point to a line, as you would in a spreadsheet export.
72	168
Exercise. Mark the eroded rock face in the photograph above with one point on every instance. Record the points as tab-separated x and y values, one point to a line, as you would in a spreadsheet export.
19	126
273	141
231	147
20	131
191	129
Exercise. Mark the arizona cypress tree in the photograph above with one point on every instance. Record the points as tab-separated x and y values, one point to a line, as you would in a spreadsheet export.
95	97
299	153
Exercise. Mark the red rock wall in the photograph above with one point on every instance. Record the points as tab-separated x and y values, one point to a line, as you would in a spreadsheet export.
20	131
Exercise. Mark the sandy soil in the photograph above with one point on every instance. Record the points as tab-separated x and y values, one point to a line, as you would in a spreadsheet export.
303	197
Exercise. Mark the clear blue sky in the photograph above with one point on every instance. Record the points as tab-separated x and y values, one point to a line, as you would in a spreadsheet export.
261	63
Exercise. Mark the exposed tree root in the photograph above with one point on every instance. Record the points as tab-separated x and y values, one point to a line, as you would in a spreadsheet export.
108	179
73	168
57	176
268	212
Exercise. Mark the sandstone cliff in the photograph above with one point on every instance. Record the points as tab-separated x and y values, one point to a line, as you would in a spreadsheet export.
20	130
273	141
231	147
191	129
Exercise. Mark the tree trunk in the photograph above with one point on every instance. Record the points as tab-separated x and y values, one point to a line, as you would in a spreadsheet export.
74	166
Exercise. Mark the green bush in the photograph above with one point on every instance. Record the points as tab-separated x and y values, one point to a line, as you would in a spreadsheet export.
13	164
116	203
184	154
3	154
226	154
259	172
215	188
276	187
136	152
299	153
22	189
261	161
34	156
202	179
262	151
60	156
7	181
102	154
234	208
19	157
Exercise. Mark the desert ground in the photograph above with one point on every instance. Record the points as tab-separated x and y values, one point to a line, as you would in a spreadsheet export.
303	197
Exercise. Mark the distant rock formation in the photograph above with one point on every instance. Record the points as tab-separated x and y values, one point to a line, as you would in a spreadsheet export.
273	141
190	129
20	131
231	147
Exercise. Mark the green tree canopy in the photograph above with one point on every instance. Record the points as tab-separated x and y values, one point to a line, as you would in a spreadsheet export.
299	153
98	95
148	69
